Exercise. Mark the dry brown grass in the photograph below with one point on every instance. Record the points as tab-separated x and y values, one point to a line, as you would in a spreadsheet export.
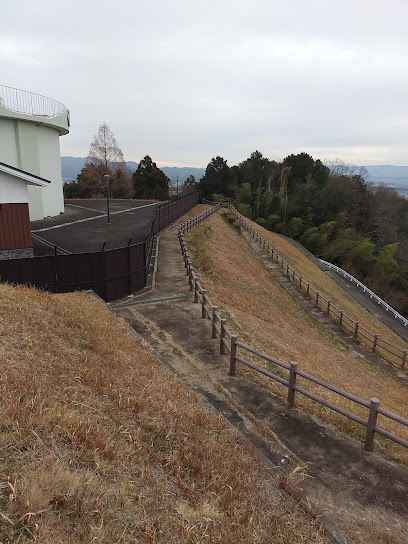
328	287
100	443
268	319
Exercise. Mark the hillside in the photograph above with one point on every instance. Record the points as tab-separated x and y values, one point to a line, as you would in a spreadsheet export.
101	443
267	318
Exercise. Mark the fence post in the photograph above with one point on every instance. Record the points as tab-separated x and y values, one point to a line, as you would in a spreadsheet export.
307	290
56	270
375	341
128	267
103	272
196	282
317	298
300	283
328	307
203	310
214	321
356	330
223	325
341	317
404	359
292	383
191	276
233	354
371	423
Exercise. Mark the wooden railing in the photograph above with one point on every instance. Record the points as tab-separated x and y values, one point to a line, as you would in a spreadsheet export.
236	350
389	351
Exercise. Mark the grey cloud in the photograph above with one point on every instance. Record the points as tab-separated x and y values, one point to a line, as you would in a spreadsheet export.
184	81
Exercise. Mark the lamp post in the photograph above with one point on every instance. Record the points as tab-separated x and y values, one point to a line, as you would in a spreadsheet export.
106	177
177	186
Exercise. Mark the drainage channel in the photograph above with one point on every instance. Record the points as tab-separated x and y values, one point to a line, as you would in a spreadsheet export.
166	299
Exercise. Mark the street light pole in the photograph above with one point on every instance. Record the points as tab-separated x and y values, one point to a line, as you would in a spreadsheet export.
106	177
177	186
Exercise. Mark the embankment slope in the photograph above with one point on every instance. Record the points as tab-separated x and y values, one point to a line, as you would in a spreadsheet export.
260	311
101	443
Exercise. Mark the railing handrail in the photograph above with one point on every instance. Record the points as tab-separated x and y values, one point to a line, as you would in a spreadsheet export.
376	340
366	289
209	310
20	101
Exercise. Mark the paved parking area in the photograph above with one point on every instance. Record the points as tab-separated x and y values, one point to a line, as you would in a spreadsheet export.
84	225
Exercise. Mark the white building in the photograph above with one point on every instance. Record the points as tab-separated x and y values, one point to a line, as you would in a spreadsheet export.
15	230
30	127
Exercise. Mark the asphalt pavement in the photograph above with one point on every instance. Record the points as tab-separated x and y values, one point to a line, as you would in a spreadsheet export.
84	225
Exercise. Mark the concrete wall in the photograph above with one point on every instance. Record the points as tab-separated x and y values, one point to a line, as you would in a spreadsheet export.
31	143
12	189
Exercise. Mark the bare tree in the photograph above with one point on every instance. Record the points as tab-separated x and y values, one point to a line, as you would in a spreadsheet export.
104	157
104	150
340	168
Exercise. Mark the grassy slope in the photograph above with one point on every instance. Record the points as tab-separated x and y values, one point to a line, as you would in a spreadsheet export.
100	443
268	319
329	288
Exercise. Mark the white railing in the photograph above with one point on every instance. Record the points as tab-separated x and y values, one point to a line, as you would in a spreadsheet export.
365	289
21	101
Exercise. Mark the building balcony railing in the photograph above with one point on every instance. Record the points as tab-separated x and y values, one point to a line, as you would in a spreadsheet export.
21	101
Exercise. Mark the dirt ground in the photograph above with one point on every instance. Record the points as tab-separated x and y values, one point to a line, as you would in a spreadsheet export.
363	493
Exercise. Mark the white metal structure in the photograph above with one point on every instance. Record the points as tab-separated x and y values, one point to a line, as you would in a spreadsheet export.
365	289
30	127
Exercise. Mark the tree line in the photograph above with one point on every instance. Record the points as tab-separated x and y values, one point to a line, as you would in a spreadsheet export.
106	157
332	210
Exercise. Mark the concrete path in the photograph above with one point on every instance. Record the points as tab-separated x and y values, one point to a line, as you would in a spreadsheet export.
364	494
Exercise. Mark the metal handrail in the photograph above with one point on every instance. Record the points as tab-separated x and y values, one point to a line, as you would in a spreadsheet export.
365	289
21	101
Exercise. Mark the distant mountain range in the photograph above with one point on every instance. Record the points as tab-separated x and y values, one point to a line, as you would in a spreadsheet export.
393	176
387	174
72	166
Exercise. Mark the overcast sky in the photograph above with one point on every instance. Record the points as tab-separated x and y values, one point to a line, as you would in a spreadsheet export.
186	80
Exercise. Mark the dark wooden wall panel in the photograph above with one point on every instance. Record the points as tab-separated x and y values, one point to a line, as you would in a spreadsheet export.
111	274
15	232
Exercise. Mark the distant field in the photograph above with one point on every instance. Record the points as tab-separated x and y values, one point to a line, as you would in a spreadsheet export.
267	318
400	186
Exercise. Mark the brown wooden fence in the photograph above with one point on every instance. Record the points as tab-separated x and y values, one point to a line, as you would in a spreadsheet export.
388	351
229	343
112	274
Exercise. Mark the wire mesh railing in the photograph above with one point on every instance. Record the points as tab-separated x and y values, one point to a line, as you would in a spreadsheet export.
21	101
